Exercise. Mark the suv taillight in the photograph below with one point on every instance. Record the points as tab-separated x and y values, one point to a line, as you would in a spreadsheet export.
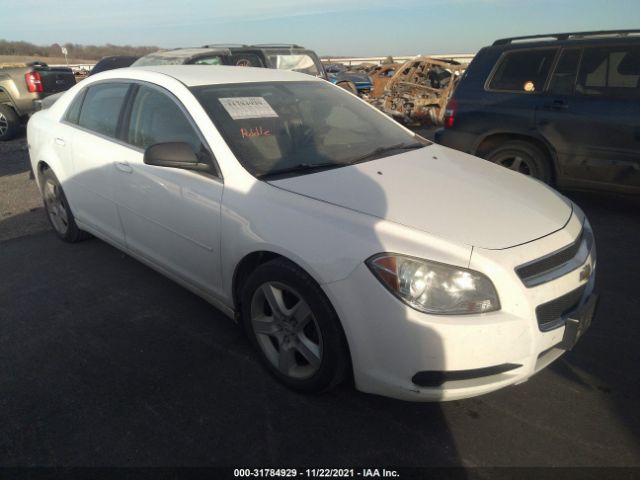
450	113
34	82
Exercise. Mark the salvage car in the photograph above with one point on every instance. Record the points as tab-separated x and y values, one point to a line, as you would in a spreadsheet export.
418	92
279	56
380	76
339	239
563	108
111	62
354	82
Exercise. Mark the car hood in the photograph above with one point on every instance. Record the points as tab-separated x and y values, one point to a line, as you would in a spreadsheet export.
445	193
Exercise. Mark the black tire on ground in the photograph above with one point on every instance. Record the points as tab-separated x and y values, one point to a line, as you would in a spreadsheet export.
523	157
58	211
314	341
348	86
9	123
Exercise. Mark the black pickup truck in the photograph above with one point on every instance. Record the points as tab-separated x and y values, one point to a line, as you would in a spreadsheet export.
23	87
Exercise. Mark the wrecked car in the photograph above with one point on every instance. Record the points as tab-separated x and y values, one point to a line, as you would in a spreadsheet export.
354	82
419	91
380	76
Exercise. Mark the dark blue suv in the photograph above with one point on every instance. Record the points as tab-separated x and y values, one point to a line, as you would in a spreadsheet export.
564	108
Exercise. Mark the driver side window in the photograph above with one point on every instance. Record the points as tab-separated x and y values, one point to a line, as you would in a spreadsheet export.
156	118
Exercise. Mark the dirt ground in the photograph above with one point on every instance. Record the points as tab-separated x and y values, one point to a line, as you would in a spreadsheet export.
12	59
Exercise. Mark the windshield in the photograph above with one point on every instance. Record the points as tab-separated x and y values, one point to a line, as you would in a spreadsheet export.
297	63
280	126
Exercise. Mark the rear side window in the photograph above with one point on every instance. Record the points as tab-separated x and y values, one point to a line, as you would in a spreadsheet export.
73	112
297	63
101	108
523	70
564	76
612	72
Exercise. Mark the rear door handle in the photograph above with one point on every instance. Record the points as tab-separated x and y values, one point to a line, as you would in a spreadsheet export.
123	167
60	141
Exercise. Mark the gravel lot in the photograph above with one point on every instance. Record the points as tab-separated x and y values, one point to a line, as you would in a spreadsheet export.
105	362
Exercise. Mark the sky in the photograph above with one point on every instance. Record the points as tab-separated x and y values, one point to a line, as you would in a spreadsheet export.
330	27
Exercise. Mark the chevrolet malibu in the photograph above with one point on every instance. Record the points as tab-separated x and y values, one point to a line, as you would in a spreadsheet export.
344	244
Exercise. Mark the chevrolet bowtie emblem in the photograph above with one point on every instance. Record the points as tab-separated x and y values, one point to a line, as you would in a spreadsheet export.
585	273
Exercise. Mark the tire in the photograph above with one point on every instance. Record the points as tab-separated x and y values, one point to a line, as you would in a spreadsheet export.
58	211
300	340
522	157
9	123
348	86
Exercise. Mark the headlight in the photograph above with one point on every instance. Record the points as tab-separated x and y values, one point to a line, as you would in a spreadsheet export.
433	287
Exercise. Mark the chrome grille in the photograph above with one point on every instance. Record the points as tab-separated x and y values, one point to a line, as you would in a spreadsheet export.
557	263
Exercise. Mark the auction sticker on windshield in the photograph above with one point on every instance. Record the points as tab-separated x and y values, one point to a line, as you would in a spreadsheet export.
247	107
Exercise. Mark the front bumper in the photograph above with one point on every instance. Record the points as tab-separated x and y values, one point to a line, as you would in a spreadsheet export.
393	345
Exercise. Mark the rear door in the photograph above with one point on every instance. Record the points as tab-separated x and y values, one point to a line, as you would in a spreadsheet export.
509	98
591	116
96	154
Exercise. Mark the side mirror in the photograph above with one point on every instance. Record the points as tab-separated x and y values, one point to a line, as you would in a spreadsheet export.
173	155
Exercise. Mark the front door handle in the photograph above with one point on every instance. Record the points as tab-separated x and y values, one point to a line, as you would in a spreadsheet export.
123	167
557	105
60	141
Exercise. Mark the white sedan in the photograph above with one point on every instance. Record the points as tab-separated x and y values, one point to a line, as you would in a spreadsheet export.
341	241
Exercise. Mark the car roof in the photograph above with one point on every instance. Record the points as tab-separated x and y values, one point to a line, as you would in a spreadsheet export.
604	37
195	75
187	52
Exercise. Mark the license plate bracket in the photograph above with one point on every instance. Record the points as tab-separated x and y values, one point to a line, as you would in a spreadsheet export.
578	322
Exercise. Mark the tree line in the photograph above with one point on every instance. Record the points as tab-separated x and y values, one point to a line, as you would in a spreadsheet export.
74	50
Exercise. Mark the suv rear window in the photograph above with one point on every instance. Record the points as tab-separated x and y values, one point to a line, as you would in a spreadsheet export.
610	72
297	63
523	70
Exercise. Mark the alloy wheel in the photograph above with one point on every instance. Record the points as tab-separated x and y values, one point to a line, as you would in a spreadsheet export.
517	163
286	329
56	207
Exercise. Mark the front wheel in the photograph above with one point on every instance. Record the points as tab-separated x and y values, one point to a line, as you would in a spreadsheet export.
293	327
522	157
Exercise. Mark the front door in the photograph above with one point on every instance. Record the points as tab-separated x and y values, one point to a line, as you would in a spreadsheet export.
170	216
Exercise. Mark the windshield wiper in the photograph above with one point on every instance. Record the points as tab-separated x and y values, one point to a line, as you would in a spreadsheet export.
302	168
380	150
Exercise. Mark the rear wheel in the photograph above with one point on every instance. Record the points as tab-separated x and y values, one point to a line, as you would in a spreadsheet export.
58	211
293	327
9	123
522	157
